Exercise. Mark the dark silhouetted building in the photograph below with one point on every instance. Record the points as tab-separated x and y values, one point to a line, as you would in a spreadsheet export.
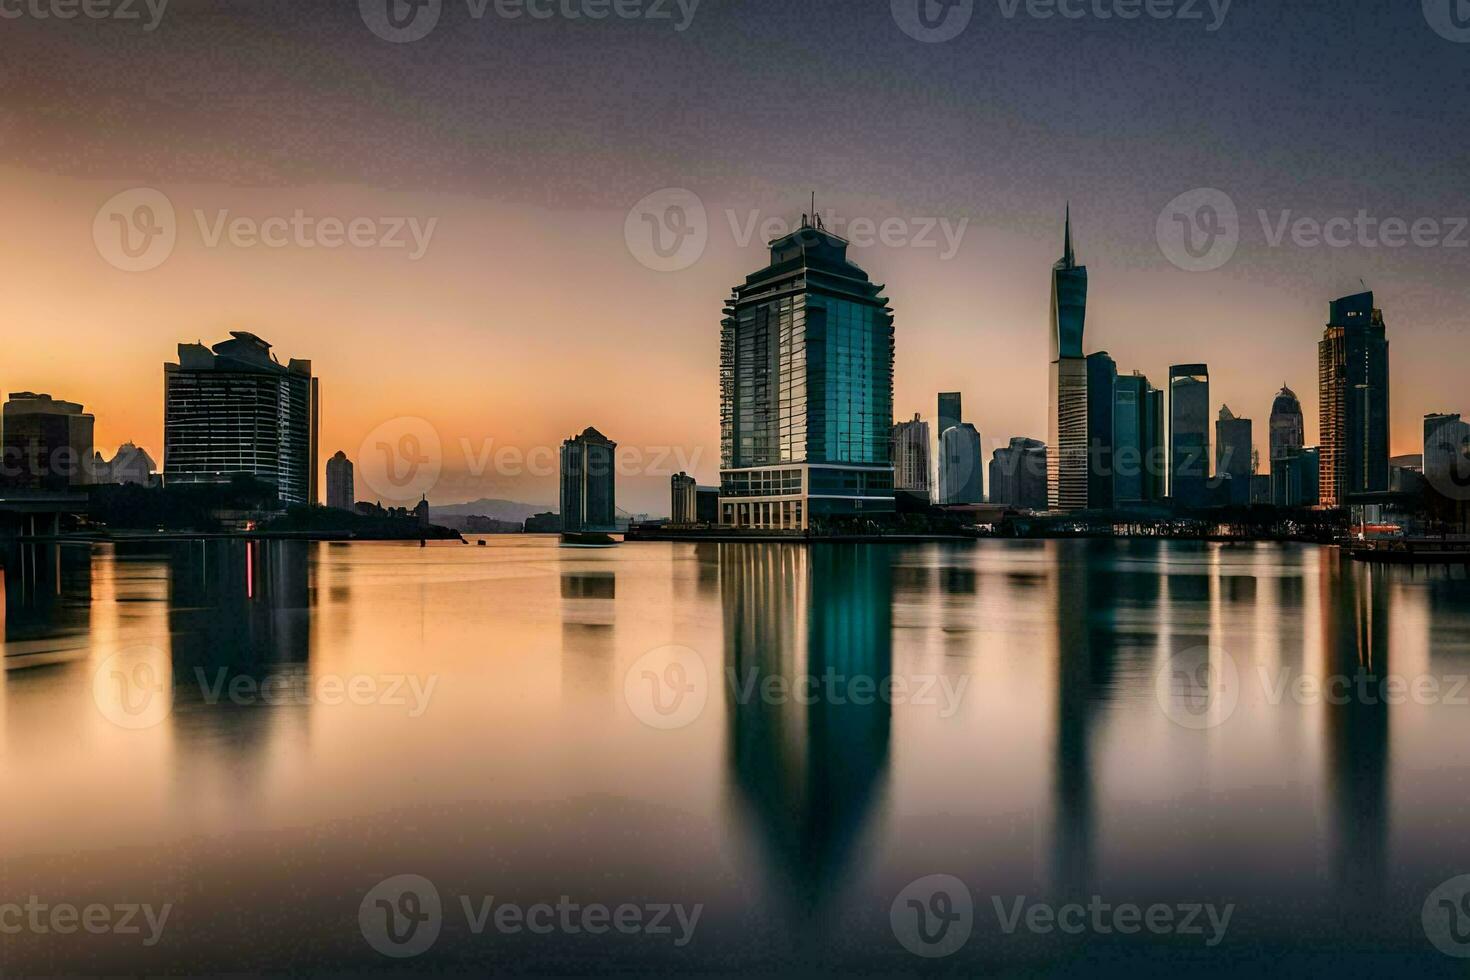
340	492
130	464
1102	378
1446	466
961	466
683	499
47	443
1352	377
588	498
1288	436
1233	456
234	409
1018	475
806	389
1138	442
911	455
950	412
1066	479
1189	434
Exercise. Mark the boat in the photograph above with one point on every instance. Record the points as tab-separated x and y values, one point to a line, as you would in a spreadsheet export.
587	539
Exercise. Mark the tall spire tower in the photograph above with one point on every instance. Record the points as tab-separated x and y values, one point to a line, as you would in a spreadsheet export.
1066	458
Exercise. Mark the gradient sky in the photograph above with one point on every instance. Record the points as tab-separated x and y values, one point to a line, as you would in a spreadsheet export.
529	318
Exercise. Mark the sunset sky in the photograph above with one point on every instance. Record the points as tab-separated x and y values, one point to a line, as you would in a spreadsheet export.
526	142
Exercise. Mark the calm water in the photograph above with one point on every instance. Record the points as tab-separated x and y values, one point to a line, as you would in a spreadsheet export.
258	735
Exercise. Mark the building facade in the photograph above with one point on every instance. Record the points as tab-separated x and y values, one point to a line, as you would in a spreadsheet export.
1352	379
1189	434
961	466
1018	475
1233	456
683	499
911	455
1138	442
1102	379
1066	475
47	443
233	409
588	484
806	389
341	493
1287	438
951	412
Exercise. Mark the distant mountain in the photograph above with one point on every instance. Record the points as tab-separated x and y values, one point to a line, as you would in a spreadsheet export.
501	510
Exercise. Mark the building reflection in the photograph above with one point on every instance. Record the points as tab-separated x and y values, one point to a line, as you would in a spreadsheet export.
48	596
588	621
807	774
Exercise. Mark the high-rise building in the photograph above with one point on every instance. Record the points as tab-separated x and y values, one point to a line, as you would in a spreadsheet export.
684	500
47	443
234	409
588	492
1352	378
806	389
1298	483
1066	476
961	466
1233	456
1189	434
1447	470
950	413
1102	379
911	455
1138	441
1288	436
1018	475
341	494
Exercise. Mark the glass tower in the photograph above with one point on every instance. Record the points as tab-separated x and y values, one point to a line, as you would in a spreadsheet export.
1066	475
1189	434
1352	377
806	389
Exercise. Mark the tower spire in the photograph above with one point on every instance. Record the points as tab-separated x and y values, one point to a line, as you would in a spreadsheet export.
1067	254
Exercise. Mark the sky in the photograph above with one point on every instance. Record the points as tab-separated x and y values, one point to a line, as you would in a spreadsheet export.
502	176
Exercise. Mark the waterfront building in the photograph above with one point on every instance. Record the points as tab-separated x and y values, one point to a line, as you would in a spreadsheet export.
806	389
341	493
950	412
1352	378
130	464
684	502
1234	456
588	485
1138	441
1066	476
911	455
1018	475
1189	434
47	442
233	409
1288	436
1102	379
961	466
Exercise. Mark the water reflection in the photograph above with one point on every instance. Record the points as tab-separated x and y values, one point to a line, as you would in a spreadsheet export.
807	775
48	596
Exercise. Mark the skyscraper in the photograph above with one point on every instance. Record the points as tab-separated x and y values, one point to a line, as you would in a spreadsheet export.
1102	378
341	494
1352	378
1018	474
1288	435
47	443
1189	434
234	409
1138	441
806	389
961	468
684	499
1066	476
949	411
588	492
911	455
1233	451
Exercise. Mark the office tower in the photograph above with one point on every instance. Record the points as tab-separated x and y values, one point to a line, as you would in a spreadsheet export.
949	410
961	467
341	494
1138	441
1298	481
1018	475
806	389
1352	378
911	455
1288	436
1447	471
684	502
1189	434
235	410
1233	456
47	443
1102	379
1066	477
588	495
